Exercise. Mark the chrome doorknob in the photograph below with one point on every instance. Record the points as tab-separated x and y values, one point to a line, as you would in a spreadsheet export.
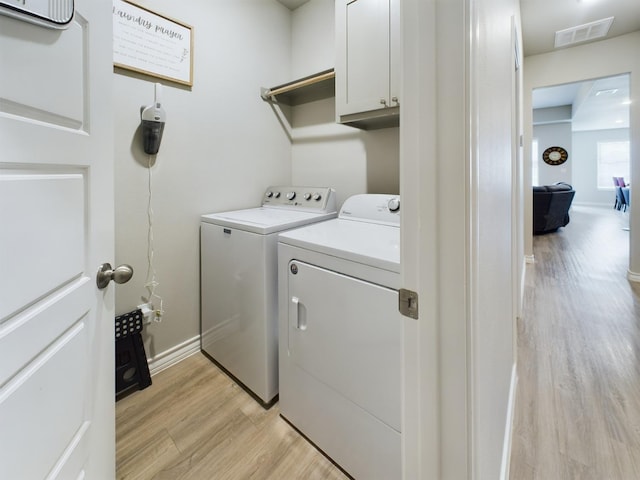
106	273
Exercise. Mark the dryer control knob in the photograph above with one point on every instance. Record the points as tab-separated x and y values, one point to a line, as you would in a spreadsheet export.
269	194
307	196
276	195
291	195
394	204
317	197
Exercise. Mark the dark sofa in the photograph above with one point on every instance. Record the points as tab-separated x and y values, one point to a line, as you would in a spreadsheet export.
551	207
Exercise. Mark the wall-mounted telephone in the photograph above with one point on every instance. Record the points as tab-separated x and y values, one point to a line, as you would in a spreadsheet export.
153	118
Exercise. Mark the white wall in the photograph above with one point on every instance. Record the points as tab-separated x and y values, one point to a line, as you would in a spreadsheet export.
593	60
492	323
324	153
585	166
459	153
222	147
552	114
554	135
312	38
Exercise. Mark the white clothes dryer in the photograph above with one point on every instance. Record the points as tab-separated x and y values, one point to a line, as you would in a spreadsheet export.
238	282
341	335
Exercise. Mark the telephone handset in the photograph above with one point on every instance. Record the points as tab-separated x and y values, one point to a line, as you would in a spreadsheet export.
153	118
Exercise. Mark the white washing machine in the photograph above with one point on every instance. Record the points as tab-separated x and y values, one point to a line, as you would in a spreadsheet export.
238	282
341	334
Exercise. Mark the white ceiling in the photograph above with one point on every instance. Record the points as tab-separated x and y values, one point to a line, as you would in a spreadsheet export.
541	19
596	104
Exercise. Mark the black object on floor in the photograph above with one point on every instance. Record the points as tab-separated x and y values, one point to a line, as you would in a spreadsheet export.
132	369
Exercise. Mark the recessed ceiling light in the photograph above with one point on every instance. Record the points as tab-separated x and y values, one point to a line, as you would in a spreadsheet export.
610	91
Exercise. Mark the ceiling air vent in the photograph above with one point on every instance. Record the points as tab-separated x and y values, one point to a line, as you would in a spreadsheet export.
583	33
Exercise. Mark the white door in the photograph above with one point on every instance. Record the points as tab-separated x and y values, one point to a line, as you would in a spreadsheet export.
341	378
56	227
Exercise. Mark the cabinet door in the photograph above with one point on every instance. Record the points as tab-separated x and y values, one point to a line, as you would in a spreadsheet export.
362	57
394	53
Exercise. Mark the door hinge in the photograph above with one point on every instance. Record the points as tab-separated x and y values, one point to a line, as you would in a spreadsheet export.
408	303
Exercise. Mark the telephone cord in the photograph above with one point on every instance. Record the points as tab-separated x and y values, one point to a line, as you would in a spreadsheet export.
151	283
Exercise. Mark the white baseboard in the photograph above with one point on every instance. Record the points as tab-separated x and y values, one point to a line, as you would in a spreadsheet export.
508	431
174	355
593	204
523	280
529	259
632	276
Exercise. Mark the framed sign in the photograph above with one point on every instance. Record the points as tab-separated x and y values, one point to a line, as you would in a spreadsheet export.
152	44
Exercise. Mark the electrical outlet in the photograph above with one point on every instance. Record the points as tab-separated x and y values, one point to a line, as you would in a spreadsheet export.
147	311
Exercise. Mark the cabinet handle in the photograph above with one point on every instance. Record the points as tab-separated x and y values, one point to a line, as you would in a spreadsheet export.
383	101
395	99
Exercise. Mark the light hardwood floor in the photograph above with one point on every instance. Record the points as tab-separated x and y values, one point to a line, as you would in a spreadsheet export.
577	413
193	422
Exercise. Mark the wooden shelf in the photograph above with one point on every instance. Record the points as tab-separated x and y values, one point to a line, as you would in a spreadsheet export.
314	87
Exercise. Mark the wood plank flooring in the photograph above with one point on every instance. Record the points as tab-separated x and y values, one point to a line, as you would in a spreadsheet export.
577	412
193	422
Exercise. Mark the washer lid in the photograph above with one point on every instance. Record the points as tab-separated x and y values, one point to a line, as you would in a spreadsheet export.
371	244
265	220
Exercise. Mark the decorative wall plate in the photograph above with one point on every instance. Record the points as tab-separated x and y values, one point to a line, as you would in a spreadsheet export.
555	156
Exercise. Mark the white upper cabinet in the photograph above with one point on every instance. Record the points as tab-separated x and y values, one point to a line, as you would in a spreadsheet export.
367	62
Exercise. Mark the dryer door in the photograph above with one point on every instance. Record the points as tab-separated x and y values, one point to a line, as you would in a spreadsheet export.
344	343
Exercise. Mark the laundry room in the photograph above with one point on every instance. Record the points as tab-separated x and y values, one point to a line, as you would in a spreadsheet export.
114	162
223	145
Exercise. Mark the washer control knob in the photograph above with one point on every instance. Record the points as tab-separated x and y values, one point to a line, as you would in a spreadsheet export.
291	195
394	204
307	196
317	197
269	194
276	195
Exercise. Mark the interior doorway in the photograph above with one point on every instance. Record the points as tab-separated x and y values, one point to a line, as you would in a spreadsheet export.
590	120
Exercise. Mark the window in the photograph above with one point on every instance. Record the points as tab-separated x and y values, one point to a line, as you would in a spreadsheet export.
613	161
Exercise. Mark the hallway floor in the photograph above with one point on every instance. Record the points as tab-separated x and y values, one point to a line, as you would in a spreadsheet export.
577	413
